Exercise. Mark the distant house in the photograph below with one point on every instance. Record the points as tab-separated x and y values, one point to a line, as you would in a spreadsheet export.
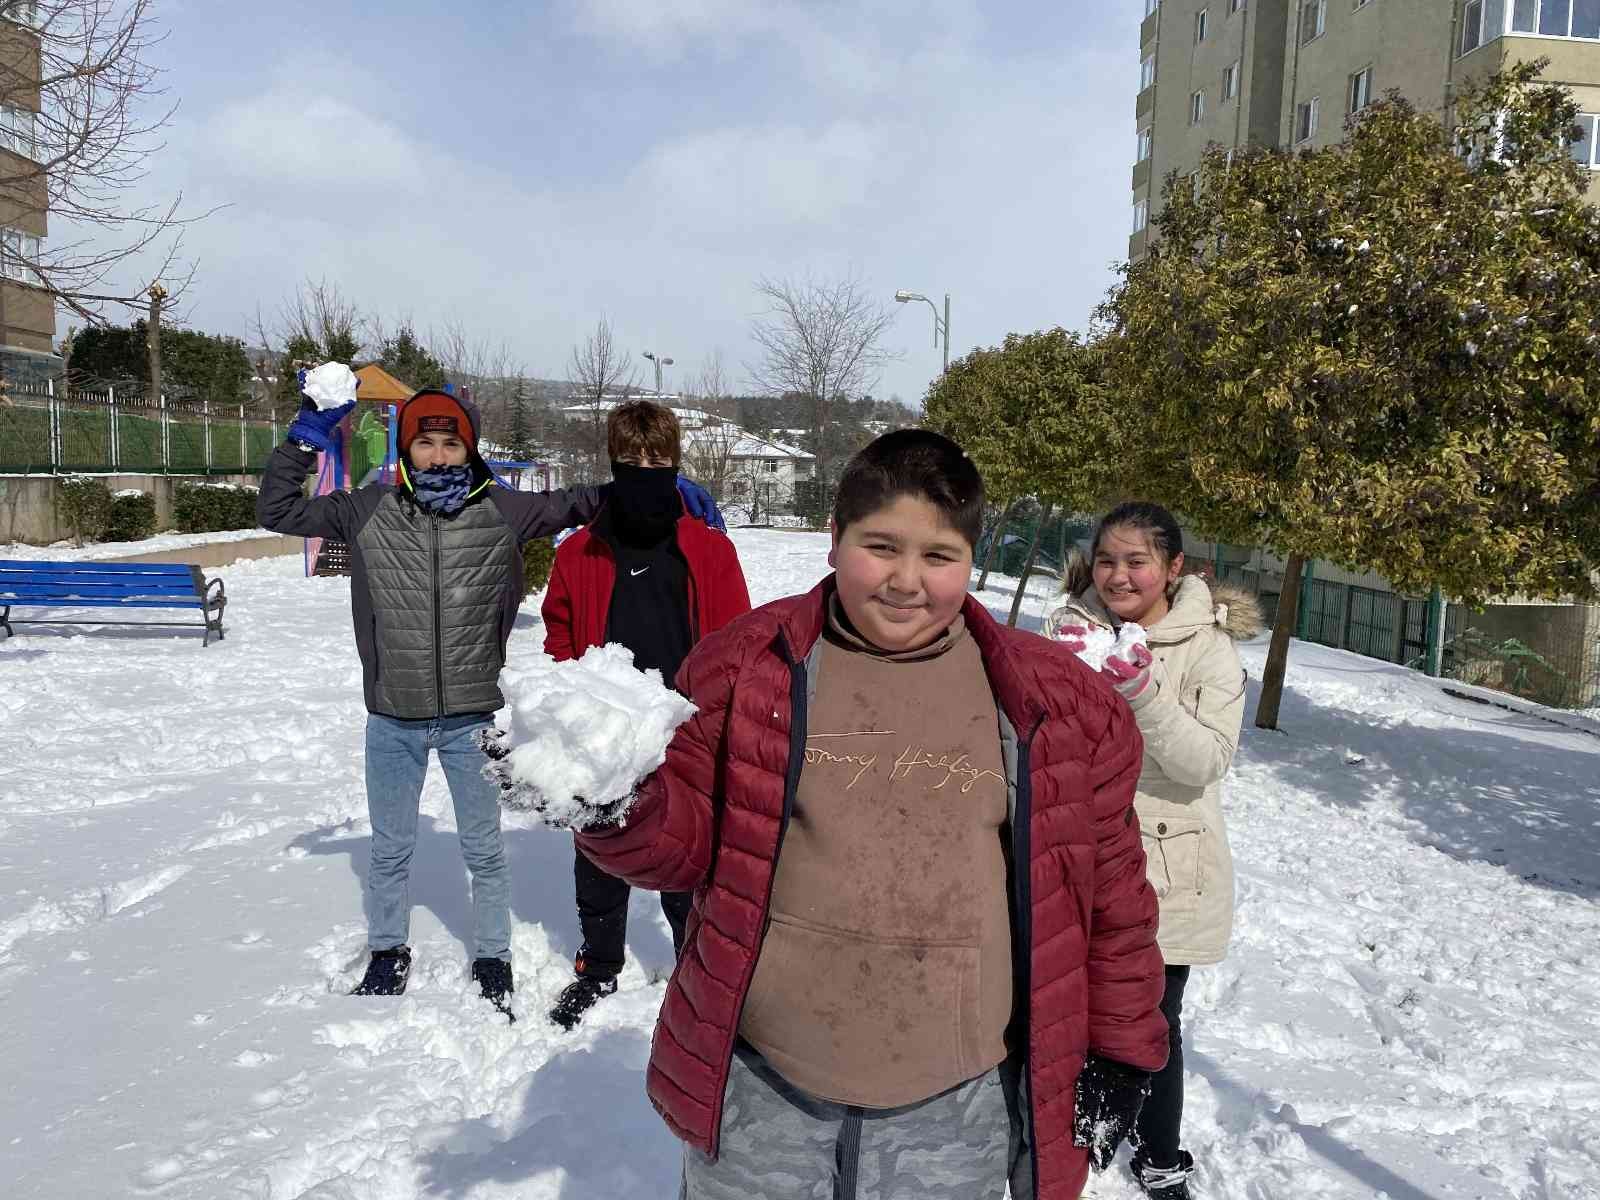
735	465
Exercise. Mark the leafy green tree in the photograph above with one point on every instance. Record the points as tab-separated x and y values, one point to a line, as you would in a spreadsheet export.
408	360
1036	419
1381	353
195	365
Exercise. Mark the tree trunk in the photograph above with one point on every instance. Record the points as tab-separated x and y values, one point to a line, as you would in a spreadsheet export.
1027	564
153	340
1278	654
994	540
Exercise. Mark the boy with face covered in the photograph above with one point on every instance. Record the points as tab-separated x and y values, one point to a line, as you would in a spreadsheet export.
648	577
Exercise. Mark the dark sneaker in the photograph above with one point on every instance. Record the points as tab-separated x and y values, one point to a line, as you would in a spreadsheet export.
493	976
386	973
578	998
1165	1183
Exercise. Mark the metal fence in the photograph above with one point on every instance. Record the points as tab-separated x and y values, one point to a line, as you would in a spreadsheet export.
44	429
1549	653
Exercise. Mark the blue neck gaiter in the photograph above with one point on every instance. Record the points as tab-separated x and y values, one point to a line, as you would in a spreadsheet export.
442	489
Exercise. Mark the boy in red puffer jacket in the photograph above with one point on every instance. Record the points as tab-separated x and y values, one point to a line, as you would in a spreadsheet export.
655	580
921	960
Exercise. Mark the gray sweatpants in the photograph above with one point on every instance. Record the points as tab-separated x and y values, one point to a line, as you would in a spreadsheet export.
779	1143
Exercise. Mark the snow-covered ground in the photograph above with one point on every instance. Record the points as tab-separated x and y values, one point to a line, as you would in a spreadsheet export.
1409	1010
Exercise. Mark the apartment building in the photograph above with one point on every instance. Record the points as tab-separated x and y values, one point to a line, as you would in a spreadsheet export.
27	312
1285	73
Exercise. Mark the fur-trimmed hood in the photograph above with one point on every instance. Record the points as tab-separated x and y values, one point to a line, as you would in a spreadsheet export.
1196	606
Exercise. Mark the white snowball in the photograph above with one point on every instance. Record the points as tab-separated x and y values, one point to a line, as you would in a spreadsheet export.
331	385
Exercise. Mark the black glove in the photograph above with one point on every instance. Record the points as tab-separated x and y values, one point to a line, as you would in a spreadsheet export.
1109	1097
523	797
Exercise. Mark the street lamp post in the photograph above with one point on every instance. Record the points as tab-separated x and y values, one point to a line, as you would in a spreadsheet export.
941	329
659	362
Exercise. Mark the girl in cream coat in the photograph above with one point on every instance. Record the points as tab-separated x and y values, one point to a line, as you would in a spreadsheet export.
1190	713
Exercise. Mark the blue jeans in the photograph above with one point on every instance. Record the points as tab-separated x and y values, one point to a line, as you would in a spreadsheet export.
397	762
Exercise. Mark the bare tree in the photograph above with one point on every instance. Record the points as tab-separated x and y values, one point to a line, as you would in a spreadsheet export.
820	341
600	372
82	113
320	314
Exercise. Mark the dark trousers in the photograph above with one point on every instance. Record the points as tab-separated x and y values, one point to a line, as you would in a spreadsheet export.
1159	1120
603	918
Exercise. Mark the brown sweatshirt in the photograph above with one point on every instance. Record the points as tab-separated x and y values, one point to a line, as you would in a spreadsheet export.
885	974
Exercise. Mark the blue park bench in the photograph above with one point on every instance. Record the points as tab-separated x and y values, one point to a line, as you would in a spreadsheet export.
39	584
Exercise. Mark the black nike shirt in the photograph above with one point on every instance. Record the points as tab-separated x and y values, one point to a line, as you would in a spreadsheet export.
649	612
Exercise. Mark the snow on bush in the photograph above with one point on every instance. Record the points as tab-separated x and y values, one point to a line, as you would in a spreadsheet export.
1101	644
332	385
576	737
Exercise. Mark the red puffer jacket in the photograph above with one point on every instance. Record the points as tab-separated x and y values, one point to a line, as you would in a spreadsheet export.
585	571
713	816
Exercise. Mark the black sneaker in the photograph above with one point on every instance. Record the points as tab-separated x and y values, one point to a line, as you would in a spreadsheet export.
1165	1183
578	998
386	973
493	976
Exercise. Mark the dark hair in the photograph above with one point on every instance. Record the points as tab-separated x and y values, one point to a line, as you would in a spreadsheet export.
640	427
1141	516
912	462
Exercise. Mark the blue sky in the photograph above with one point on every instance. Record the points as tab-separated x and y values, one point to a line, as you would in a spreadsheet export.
525	169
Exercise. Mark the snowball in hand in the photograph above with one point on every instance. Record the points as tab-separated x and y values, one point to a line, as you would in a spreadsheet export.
579	736
332	385
1101	644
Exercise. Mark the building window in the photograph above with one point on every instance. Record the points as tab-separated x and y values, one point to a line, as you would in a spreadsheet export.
1145	138
770	466
1362	3
1547	18
1150	6
1235	6
23	12
21	251
1141	215
1360	90
1147	72
17	130
1230	81
1583	150
1200	26
1305	120
1313	20
1197	108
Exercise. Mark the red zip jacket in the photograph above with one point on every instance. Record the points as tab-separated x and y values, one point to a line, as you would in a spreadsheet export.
579	595
712	818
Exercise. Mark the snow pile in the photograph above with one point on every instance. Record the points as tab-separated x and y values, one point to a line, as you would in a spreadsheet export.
579	735
332	385
1101	644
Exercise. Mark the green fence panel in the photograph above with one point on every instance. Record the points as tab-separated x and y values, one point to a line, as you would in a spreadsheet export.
260	443
85	438
186	444
138	443
24	438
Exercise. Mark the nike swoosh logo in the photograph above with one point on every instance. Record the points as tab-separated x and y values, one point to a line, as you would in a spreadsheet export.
637	570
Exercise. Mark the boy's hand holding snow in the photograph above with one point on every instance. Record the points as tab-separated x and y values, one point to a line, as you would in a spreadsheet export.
1123	658
580	736
1109	1097
326	395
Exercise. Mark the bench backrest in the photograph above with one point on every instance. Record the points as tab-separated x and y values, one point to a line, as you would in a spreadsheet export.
135	584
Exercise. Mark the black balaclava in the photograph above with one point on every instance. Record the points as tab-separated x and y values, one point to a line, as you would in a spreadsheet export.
645	504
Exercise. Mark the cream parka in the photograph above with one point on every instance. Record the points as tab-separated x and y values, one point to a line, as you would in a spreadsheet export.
1190	719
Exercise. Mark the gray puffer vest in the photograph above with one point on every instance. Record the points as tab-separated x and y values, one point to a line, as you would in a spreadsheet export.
433	598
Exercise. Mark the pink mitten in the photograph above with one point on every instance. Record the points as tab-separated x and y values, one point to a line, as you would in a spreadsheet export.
1130	675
